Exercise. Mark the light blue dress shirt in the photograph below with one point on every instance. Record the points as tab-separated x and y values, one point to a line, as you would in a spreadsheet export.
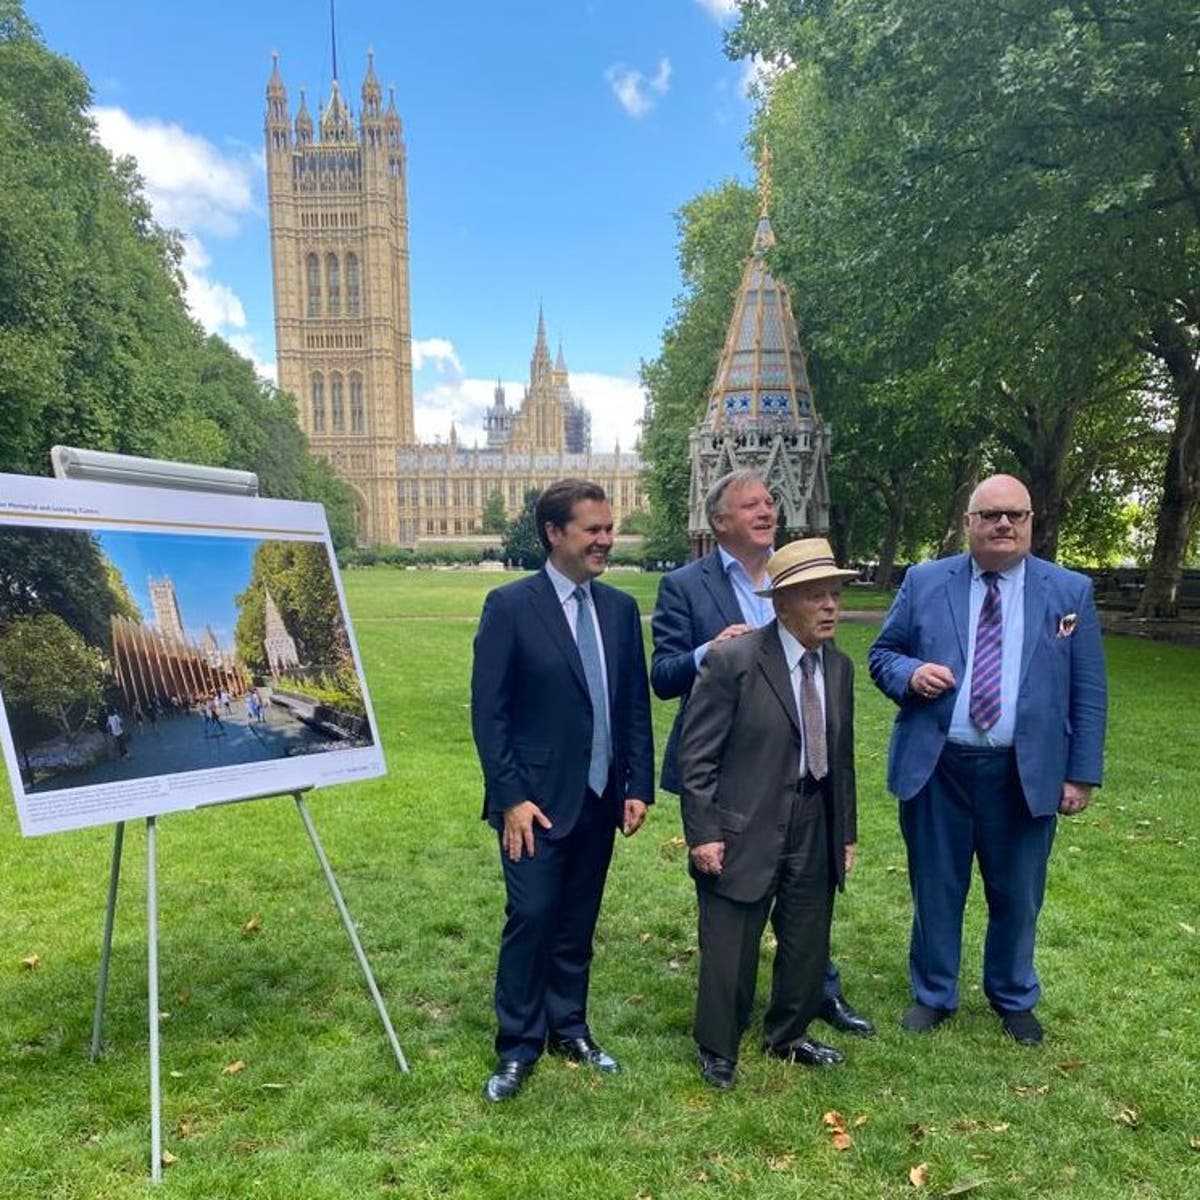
1012	610
756	610
564	588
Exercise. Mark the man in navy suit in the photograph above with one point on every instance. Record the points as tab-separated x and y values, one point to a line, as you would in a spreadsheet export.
708	602
560	710
995	660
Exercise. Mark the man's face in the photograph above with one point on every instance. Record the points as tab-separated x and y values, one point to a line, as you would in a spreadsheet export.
746	522
580	548
996	541
809	611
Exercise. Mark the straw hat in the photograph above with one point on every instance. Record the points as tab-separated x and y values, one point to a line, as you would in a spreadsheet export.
804	561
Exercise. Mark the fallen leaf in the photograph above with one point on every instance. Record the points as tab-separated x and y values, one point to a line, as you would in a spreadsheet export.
1001	1127
274	1087
185	1127
964	1186
1190	930
966	1125
234	1068
860	1121
1194	1141
644	938
1027	1090
833	1119
918	1176
168	1159
1072	1064
781	1162
1130	1117
841	1140
253	925
176	1074
31	962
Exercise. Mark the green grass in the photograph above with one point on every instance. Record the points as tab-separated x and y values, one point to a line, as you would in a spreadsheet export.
320	1111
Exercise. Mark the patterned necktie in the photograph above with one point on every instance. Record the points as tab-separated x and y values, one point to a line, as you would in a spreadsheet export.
812	718
984	709
593	672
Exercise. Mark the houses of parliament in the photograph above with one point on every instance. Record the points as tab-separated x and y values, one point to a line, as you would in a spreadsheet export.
338	208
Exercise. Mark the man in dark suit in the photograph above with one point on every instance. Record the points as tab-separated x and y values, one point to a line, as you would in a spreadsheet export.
995	660
560	710
708	602
766	769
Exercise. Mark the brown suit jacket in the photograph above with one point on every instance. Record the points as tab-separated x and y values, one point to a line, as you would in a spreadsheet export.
739	753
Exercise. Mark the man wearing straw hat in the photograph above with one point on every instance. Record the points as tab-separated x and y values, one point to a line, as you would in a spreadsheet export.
766	766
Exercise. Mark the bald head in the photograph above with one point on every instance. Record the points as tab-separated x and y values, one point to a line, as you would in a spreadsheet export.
999	522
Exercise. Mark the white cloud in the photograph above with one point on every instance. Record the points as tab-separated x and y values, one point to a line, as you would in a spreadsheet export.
720	10
246	344
438	353
636	94
757	75
616	405
195	188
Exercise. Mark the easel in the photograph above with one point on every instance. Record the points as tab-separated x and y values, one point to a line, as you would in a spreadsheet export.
117	468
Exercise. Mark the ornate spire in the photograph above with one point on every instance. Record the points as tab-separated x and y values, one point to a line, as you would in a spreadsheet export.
560	363
304	122
335	120
277	113
372	93
762	376
539	365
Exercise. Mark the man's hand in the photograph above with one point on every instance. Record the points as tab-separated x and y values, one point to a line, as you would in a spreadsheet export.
708	858
851	850
635	814
730	631
930	680
518	828
1075	798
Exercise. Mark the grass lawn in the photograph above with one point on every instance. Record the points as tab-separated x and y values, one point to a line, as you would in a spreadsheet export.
1109	1107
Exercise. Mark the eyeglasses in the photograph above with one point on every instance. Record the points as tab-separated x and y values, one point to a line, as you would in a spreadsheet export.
991	516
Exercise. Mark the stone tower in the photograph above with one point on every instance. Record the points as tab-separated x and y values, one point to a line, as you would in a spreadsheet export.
760	411
339	258
167	616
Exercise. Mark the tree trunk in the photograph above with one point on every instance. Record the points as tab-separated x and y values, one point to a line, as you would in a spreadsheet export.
894	502
841	530
1180	504
964	478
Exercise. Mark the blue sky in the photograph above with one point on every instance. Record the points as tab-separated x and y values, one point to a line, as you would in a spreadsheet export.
549	143
208	573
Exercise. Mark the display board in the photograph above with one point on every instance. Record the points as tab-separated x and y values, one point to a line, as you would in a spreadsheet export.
160	650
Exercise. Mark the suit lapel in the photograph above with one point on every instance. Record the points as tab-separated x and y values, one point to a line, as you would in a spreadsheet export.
835	680
958	596
547	606
774	666
1036	602
721	590
609	635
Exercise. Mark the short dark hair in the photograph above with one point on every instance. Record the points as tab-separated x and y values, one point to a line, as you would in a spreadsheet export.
556	505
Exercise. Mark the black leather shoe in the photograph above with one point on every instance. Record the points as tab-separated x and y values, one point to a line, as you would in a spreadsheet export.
1023	1027
837	1011
807	1052
920	1018
715	1070
505	1081
584	1050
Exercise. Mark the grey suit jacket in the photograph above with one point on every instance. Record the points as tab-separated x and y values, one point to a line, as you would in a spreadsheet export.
739	754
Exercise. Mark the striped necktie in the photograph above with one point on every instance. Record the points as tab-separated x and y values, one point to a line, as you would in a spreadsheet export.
985	671
812	718
593	672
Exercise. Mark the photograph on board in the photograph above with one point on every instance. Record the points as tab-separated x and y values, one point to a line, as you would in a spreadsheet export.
129	655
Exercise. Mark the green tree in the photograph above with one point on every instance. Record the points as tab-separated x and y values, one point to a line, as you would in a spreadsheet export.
494	518
46	667
522	547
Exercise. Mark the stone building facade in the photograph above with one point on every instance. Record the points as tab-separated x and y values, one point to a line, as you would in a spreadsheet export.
338	210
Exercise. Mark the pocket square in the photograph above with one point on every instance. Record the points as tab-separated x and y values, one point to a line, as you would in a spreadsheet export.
1066	624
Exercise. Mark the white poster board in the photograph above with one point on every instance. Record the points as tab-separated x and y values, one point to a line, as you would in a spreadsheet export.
161	650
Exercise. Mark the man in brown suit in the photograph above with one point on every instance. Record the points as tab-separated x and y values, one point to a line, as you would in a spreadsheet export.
766	762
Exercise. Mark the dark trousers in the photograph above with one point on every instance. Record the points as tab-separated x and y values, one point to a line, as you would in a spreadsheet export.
546	948
800	906
973	808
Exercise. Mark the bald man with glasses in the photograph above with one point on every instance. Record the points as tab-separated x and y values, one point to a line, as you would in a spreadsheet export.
995	661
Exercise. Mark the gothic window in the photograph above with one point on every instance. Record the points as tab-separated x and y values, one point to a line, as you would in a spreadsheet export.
313	267
318	402
334	284
336	408
357	420
353	286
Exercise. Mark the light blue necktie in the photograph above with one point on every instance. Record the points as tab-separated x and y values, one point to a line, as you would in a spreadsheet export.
593	671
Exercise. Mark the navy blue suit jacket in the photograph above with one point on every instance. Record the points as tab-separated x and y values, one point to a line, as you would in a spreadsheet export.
1062	699
694	604
530	710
